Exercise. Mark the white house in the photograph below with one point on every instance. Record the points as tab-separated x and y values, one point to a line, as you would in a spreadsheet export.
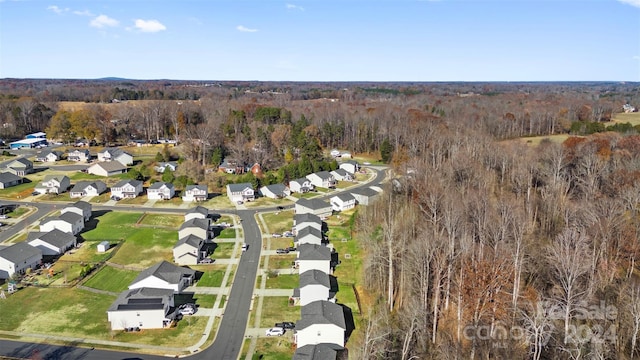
48	155
161	191
308	235
54	242
198	212
342	175
81	208
115	154
313	257
145	308
239	193
351	166
17	258
80	155
275	191
107	169
302	185
321	322
164	275
127	189
197	227
68	222
53	184
195	193
20	167
365	196
342	202
161	167
313	206
315	285
300	221
188	250
321	352
322	179
87	188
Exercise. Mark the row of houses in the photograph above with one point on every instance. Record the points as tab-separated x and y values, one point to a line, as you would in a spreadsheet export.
193	234
56	236
83	155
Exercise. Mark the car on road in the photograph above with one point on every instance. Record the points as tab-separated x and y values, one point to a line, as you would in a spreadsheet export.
245	247
280	207
287	325
275	331
282	251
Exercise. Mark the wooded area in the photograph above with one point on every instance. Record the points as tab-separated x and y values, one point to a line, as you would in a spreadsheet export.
484	246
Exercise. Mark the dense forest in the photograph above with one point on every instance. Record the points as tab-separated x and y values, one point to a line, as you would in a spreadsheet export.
484	246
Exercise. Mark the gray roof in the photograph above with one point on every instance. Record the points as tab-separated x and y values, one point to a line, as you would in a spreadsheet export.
199	187
54	237
81	185
122	183
307	217
345	197
115	152
46	152
314	252
309	230
190	239
299	181
239	187
166	271
322	351
19	252
22	161
83	205
142	299
313	204
277	189
314	277
171	163
321	312
83	151
365	192
7	177
159	184
58	178
111	166
325	175
198	223
70	217
341	172
199	210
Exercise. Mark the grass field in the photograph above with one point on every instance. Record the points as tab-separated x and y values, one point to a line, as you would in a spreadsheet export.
164	220
145	247
283	281
228	233
276	309
111	279
277	348
88	252
212	277
281	261
279	243
223	251
278	222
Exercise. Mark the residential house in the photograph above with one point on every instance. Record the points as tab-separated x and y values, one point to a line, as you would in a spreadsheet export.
53	184
351	166
231	167
342	175
127	189
20	167
79	155
68	222
365	196
81	208
115	154
343	201
54	242
161	191
321	322
197	227
164	275
239	193
314	286
302	185
48	155
321	352
322	179
275	191
17	258
198	212
195	193
313	257
300	221
161	167
145	308
107	169
87	188
188	250
8	179
313	206
309	235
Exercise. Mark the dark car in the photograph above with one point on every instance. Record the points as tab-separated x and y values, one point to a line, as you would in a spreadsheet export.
282	251
280	207
287	325
291	248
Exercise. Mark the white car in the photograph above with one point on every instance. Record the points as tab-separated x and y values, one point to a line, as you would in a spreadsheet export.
4	217
187	311
245	247
275	331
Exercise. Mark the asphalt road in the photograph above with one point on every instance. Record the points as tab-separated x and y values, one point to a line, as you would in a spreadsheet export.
229	339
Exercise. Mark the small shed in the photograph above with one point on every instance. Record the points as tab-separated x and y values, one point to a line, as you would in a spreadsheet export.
103	246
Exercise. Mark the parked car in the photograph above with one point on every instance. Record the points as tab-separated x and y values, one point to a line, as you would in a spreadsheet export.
282	251
287	325
4	216
275	331
276	235
245	247
291	248
280	207
35	193
288	234
116	198
206	261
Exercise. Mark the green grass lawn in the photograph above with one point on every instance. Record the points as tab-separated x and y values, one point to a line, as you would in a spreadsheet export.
139	200
212	277
145	247
283	281
276	309
80	176
276	348
19	191
228	233
113	225
65	197
187	332
281	261
265	201
165	220
101	199
111	279
278	222
205	301
223	251
279	243
88	252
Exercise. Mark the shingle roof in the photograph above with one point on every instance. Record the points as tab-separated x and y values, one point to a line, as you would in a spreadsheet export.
166	271
114	152
122	183
309	230
70	217
314	277
19	252
199	210
239	187
83	205
277	189
142	299
199	223
318	352
313	204
199	187
54	237
159	184
7	177
345	197
341	172
190	239
307	217
314	252
365	192
111	166
300	181
22	161
324	175
321	312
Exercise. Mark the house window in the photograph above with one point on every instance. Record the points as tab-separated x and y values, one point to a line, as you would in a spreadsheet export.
137	314
319	333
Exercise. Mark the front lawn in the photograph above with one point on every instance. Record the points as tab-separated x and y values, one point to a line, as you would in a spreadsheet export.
111	279
228	233
281	261
276	309
283	281
278	222
279	243
19	191
213	277
275	348
88	252
139	200
223	251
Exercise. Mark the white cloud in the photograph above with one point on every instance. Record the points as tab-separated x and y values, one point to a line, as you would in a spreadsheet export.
83	13
636	57
635	3
56	9
102	21
294	7
149	26
245	29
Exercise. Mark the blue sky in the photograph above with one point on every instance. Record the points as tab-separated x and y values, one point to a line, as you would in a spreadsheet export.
322	40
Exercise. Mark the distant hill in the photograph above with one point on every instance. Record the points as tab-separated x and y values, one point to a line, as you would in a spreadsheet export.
111	78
